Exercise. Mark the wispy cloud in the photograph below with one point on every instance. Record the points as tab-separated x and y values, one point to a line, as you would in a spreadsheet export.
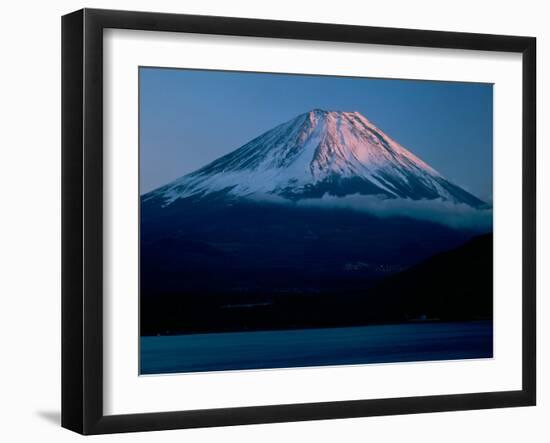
455	215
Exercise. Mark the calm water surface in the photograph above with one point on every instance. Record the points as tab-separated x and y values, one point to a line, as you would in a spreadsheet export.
316	347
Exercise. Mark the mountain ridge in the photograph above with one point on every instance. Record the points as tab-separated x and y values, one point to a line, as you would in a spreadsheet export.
316	153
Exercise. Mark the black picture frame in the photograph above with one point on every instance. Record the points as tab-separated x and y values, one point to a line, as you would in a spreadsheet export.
82	218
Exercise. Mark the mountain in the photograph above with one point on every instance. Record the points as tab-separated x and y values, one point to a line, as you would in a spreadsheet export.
260	249
315	154
453	285
217	253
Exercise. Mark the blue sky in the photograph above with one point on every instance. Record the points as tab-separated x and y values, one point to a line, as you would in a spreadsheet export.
191	117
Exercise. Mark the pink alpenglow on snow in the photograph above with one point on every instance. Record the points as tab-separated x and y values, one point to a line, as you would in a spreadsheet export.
315	155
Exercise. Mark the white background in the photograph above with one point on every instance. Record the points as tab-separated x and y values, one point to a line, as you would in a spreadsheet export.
30	222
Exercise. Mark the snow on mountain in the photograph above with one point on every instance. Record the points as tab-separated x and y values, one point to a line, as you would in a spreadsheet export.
315	154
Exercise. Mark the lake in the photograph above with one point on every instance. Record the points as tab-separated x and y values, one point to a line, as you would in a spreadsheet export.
316	347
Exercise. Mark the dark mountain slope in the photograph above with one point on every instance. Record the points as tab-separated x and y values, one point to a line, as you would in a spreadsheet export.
455	285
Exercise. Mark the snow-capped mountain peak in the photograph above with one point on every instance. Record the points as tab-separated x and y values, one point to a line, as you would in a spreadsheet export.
317	153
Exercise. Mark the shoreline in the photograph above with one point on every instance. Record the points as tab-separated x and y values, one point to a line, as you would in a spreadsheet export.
362	325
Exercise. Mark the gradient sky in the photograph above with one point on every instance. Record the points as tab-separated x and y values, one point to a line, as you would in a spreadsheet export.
190	117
